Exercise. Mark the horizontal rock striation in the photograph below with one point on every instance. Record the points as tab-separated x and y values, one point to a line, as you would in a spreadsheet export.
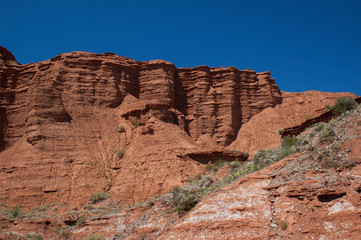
264	205
262	130
59	123
217	101
214	101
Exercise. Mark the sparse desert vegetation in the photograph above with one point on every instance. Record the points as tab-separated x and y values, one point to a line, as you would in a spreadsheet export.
93	236
344	104
176	160
34	236
98	197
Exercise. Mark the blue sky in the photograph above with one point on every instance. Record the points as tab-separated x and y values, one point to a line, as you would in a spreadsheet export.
306	44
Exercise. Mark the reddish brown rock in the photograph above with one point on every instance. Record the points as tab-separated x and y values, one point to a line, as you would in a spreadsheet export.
217	101
6	57
261	207
295	198
82	123
262	130
59	122
60	119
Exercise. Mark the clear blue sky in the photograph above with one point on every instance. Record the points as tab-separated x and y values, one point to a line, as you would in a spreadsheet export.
306	44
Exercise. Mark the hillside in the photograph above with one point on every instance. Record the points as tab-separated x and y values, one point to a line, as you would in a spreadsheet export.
81	128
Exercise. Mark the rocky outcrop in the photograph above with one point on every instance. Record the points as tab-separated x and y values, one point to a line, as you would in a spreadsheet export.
269	205
262	130
59	122
210	157
304	196
6	57
314	194
324	117
82	123
217	101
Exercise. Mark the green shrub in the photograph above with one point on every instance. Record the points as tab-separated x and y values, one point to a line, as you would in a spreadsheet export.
281	131
312	134
328	108
320	126
121	128
15	212
344	104
93	236
265	158
34	236
327	135
216	166
88	207
235	165
177	189
289	142
81	221
185	203
262	159
220	163
98	197
285	152
209	167
183	200
246	155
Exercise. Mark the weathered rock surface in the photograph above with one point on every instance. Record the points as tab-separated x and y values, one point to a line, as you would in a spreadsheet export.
262	130
82	123
60	120
296	198
218	101
264	205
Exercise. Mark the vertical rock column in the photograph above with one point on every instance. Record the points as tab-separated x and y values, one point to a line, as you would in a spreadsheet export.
156	82
257	91
201	107
226	84
220	100
10	99
213	105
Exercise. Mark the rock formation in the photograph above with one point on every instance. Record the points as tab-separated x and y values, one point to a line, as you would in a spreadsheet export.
314	194
262	131
59	121
82	123
303	196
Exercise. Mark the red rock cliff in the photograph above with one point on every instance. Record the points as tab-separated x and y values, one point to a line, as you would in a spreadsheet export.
59	123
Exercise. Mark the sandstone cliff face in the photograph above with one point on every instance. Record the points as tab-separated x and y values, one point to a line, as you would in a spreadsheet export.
262	131
218	101
81	123
60	119
303	196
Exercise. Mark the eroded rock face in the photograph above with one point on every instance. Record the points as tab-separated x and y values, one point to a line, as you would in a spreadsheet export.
82	123
59	122
218	101
262	131
269	205
304	196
